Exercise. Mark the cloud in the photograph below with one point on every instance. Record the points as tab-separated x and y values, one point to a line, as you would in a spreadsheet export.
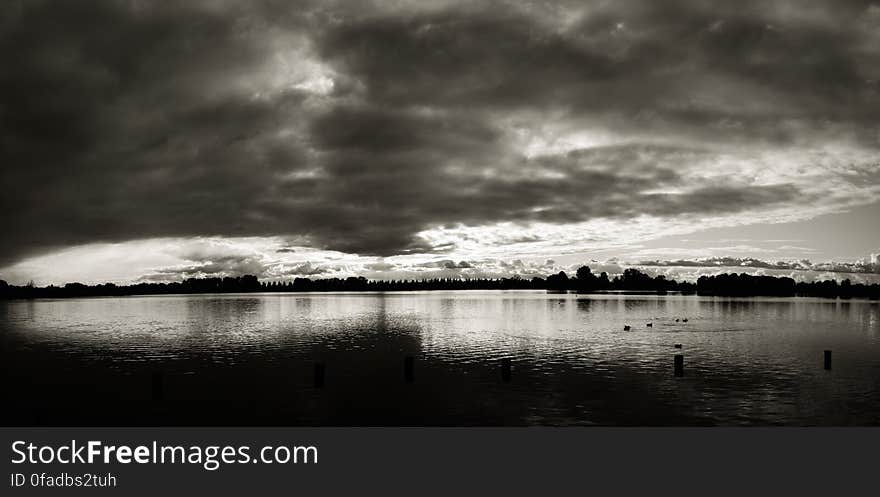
380	266
686	66
400	128
307	269
222	266
177	259
693	273
865	266
460	265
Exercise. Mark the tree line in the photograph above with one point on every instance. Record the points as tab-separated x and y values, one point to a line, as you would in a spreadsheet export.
584	280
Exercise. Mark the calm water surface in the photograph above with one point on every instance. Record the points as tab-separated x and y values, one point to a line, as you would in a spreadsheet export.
249	359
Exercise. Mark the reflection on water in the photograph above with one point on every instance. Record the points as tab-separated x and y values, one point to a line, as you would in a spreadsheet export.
248	359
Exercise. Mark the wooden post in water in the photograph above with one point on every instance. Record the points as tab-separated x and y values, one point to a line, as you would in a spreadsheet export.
828	359
157	386
505	369
408	368
679	365
319	375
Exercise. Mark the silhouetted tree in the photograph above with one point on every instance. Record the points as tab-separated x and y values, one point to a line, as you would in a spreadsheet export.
586	280
558	281
631	280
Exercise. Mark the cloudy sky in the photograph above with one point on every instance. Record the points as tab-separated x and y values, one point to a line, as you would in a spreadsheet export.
156	140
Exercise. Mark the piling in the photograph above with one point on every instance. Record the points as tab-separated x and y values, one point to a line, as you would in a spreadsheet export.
319	374
828	359
505	370
157	386
679	365
409	368
678	345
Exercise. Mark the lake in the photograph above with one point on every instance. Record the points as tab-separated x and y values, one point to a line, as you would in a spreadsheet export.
249	359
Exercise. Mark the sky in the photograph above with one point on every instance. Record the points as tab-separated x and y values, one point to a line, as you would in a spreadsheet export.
153	141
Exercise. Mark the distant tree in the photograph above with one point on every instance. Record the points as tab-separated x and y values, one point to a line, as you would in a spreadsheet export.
558	281
249	283
586	280
631	279
584	272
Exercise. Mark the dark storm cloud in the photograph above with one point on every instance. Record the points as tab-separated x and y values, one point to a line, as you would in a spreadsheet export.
462	58
122	120
684	64
115	127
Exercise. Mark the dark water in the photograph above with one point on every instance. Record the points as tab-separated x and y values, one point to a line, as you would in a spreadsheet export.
249	359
